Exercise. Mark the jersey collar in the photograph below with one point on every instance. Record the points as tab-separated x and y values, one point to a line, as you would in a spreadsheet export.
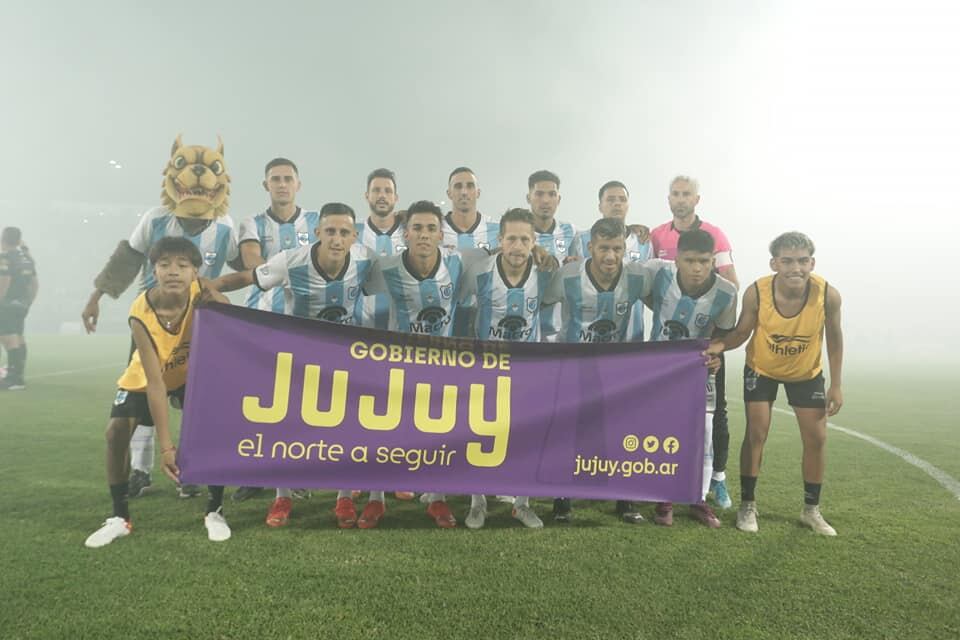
476	223
596	285
696	225
405	256
389	232
323	274
273	216
523	278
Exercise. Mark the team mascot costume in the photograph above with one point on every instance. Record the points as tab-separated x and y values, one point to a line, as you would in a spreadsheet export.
196	187
194	200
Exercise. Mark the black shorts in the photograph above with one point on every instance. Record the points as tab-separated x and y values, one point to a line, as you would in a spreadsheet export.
133	404
808	394
12	318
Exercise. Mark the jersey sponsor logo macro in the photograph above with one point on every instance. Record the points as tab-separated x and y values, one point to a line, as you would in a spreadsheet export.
335	314
430	320
674	330
600	331
511	328
781	345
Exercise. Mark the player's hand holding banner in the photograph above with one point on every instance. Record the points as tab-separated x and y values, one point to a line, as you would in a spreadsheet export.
315	404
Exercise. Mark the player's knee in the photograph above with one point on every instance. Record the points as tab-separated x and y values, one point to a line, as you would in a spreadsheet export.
117	434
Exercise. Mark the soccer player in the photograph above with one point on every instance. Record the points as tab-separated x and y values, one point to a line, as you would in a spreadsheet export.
689	300
501	296
597	298
323	280
614	202
785	317
543	196
18	289
382	233
423	282
464	227
217	242
683	198
161	321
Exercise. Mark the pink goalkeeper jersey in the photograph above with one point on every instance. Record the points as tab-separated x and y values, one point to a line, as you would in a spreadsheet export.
664	239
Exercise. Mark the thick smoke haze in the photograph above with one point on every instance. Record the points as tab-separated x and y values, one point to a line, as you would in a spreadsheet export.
836	119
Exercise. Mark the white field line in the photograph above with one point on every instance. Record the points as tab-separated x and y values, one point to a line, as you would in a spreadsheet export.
947	481
54	374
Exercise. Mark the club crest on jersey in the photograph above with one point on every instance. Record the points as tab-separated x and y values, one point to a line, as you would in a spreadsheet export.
483	245
352	292
209	258
622	308
446	291
702	320
303	237
532	304
561	245
401	248
634	256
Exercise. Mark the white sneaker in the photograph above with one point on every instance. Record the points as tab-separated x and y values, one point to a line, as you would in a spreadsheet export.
424	498
747	516
525	514
478	512
810	516
217	528
113	528
506	499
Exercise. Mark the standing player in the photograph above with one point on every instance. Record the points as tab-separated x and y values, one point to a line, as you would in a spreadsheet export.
785	317
683	198
323	281
423	283
18	289
464	227
161	321
689	301
543	196
597	298
281	227
382	234
614	202
501	296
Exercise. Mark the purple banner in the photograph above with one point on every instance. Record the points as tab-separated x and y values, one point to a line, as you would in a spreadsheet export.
278	401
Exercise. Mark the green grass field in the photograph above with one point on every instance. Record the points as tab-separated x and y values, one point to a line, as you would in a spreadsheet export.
891	573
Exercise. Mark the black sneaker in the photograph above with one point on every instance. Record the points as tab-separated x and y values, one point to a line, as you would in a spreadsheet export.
561	510
138	484
12	384
628	512
245	493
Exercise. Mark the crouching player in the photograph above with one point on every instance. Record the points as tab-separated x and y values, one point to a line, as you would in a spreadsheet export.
689	301
161	320
500	300
784	315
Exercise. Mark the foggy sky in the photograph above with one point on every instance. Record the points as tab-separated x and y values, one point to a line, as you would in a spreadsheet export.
839	121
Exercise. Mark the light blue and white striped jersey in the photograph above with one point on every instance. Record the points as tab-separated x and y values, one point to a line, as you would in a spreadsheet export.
504	312
591	314
482	235
274	236
376	308
558	241
678	316
217	242
419	305
311	293
635	252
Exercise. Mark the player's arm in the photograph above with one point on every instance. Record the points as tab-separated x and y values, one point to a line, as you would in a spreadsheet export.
745	325
250	254
231	281
641	231
834	337
544	260
156	397
729	272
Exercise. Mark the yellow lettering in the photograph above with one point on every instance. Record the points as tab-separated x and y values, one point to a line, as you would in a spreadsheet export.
333	416
489	360
505	362
378	352
390	420
499	427
466	359
359	453
433	356
255	412
448	410
358	350
245	446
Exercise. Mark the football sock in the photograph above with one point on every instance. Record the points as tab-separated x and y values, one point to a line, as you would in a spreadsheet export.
811	493
521	501
284	493
376	496
215	500
344	493
719	476
119	494
141	449
748	484
15	361
478	500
